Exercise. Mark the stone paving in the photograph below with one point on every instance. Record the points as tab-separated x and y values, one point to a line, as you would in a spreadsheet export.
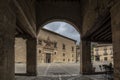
58	72
87	77
52	78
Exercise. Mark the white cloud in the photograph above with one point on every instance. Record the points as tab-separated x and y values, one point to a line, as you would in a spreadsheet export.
64	29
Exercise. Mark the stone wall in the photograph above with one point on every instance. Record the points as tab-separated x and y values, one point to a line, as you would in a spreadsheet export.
115	23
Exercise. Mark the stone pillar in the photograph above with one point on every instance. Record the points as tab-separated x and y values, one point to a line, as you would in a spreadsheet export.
115	23
85	58
7	40
31	57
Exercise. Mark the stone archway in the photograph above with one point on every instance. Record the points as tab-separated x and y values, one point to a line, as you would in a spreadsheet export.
62	19
59	20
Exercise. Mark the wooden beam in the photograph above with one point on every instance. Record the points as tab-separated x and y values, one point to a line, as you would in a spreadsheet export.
24	20
109	37
25	36
100	30
19	29
100	21
102	41
97	40
103	33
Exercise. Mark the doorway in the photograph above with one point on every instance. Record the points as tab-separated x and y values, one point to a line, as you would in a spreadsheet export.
48	58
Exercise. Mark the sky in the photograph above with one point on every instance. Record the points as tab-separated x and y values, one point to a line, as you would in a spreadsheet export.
63	28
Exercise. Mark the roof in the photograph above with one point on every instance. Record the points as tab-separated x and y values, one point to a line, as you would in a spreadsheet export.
58	34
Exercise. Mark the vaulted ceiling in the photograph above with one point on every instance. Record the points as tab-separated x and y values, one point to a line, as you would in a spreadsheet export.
48	10
33	14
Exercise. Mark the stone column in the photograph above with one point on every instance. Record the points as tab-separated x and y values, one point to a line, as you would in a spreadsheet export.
85	58
115	23
7	40
31	57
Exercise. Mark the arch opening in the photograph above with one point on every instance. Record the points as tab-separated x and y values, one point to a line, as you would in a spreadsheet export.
68	21
58	44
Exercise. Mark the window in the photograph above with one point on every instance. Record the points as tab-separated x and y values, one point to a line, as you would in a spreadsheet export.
68	60
97	58
63	59
55	45
72	48
72	55
111	53
105	51
55	53
112	57
64	46
63	54
97	51
39	51
40	42
105	58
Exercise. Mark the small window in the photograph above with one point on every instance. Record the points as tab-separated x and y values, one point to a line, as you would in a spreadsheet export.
112	57
72	55
63	59
105	58
55	53
111	51
97	51
39	51
55	45
40	42
64	46
68	60
97	58
105	51
63	54
72	48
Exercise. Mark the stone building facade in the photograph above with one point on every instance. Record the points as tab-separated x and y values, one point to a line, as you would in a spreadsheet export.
55	48
20	50
51	47
103	53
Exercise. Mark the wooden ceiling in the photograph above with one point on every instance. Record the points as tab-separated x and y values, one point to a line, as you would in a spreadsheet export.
101	30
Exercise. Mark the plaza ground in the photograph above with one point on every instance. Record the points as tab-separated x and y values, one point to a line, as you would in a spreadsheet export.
57	71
